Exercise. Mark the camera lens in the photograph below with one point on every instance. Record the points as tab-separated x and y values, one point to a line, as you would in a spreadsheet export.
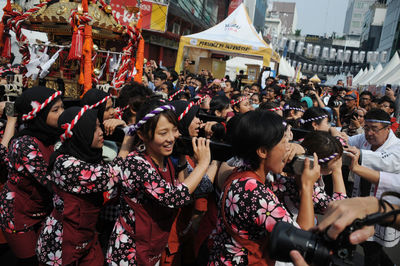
285	237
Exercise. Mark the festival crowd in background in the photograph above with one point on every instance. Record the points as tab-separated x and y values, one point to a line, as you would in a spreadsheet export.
187	169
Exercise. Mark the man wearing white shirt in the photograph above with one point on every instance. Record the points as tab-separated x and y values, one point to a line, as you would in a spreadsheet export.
379	150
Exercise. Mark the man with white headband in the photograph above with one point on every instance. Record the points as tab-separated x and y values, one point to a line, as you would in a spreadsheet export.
380	150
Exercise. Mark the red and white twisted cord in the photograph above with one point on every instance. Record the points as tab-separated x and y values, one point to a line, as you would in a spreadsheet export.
241	99
191	104
32	114
201	99
69	126
174	94
276	109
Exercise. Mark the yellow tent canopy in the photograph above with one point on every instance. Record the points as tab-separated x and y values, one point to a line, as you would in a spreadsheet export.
235	35
315	78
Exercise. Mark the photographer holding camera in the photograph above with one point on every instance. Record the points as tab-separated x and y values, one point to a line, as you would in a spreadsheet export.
248	207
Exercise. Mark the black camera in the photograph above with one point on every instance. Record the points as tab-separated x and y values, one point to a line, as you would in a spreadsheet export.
219	151
315	248
296	166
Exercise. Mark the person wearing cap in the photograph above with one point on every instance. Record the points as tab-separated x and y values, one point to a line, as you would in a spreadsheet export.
379	149
346	111
25	200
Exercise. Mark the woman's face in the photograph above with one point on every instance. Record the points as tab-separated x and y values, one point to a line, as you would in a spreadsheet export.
165	135
54	113
323	126
276	156
194	127
109	112
98	139
224	112
255	99
246	91
245	106
360	116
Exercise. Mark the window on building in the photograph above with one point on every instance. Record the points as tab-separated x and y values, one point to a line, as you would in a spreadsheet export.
176	28
355	24
357	15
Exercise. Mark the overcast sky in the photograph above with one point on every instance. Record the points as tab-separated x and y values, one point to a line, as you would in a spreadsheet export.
313	16
320	16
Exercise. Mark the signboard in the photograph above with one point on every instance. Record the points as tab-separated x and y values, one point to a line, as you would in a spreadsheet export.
233	5
154	15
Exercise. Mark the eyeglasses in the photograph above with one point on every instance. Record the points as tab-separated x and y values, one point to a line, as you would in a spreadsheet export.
373	129
385	106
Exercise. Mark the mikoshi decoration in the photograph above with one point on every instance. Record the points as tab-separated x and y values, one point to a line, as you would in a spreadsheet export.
127	68
139	53
87	52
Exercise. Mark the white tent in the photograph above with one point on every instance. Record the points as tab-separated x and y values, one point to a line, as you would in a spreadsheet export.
235	64
365	75
235	35
392	79
376	72
285	69
358	76
386	71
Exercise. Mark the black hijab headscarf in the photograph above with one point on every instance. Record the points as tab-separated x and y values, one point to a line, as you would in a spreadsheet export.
79	145
184	123
93	96
37	127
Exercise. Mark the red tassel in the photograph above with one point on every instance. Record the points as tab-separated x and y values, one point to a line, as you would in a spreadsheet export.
1	35
75	52
7	46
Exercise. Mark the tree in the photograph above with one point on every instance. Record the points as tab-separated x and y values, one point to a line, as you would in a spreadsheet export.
297	32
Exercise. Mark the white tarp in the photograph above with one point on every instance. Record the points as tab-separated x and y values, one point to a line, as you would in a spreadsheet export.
285	69
241	31
386	71
234	65
358	75
376	72
365	75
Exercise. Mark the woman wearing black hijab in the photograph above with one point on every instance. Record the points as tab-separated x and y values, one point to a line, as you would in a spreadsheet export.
79	178
24	200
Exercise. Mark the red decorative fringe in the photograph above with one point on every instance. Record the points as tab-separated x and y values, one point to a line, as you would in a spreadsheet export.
75	52
7	46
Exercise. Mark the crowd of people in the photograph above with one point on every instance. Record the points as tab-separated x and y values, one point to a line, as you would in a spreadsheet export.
187	169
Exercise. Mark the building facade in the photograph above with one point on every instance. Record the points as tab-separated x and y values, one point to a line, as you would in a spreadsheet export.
355	15
390	39
372	28
287	13
257	10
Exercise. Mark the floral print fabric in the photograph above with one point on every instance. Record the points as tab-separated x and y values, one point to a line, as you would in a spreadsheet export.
79	178
285	188
251	210
142	184
26	169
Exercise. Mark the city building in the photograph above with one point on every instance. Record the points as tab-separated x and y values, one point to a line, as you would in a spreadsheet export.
287	13
372	28
272	26
355	14
256	10
390	37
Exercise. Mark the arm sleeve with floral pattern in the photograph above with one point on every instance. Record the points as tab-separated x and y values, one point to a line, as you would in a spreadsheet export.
252	205
139	174
24	156
77	176
3	155
322	199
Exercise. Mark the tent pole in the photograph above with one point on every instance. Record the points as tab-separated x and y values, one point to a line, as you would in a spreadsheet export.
179	56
